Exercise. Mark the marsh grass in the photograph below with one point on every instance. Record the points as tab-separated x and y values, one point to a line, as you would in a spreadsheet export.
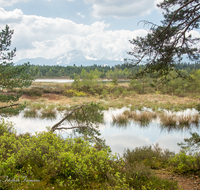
62	108
120	120
31	113
144	117
174	122
37	105
168	120
195	119
49	112
184	120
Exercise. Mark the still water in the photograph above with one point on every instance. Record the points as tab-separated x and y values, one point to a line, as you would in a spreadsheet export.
71	80
117	138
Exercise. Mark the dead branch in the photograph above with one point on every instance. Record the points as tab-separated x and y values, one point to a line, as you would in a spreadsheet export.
9	106
55	127
66	128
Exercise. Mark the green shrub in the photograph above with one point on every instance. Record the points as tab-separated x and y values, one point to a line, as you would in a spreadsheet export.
184	164
49	158
6	127
104	93
33	91
73	92
72	164
198	107
152	156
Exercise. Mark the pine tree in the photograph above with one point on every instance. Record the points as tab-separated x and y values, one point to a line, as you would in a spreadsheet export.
165	45
12	78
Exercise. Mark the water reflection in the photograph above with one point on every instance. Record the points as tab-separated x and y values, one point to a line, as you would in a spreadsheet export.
118	138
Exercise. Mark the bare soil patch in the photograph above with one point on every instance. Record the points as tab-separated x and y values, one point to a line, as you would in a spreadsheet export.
188	182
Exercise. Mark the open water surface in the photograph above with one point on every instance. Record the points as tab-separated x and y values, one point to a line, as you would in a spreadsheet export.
71	80
117	138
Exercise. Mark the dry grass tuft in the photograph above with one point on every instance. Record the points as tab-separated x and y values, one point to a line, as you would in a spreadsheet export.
184	120
144	118
120	120
31	113
168	120
49	112
195	119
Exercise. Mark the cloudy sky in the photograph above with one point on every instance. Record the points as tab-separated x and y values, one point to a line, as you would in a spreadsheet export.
101	29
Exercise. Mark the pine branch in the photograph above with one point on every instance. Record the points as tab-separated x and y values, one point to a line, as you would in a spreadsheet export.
55	127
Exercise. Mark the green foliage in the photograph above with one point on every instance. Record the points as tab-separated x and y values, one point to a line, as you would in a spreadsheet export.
115	80
68	164
198	107
77	83
6	127
192	143
49	158
73	92
11	77
104	92
152	156
168	42
184	164
35	91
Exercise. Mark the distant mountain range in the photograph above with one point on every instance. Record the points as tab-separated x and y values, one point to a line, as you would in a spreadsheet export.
68	59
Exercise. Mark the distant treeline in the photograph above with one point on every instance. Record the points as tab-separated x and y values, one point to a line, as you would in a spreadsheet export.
120	71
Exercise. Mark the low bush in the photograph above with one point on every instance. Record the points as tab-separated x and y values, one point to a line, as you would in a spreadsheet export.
6	127
185	164
71	163
33	91
152	156
73	92
57	163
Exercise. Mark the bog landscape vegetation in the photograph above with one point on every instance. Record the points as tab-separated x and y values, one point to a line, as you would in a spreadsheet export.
46	160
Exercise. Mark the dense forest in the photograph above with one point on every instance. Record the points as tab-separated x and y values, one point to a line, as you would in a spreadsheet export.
103	72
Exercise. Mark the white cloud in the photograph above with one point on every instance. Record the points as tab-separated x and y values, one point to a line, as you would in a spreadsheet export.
121	8
79	14
5	3
10	16
36	36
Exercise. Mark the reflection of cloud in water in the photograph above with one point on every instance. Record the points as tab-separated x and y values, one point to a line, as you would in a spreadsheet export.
120	142
117	138
30	125
170	142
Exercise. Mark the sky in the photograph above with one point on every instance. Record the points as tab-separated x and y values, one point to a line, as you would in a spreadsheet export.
101	29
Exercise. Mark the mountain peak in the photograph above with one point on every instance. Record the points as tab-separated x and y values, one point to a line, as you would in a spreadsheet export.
70	57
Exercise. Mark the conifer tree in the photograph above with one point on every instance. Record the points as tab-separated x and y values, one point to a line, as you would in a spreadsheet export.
12	78
164	46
